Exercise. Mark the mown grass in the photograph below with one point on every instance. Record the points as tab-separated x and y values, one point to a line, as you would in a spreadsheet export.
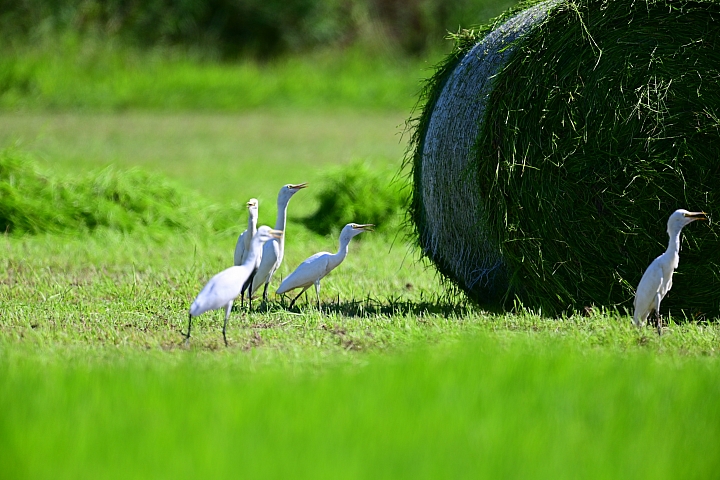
396	378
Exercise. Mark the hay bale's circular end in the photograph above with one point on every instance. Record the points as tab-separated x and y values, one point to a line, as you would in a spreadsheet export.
551	149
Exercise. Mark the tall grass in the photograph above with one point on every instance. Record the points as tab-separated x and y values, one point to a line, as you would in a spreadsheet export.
530	409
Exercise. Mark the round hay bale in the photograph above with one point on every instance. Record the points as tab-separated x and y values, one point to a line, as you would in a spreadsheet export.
553	144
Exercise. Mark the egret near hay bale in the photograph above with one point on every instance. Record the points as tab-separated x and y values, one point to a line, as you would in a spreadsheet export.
223	288
550	142
242	247
657	279
315	268
273	252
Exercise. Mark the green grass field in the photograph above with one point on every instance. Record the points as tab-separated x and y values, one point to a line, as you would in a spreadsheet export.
67	73
396	378
526	407
225	157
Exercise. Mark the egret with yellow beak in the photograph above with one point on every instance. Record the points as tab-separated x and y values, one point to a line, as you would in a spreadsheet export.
657	279
273	252
223	288
312	270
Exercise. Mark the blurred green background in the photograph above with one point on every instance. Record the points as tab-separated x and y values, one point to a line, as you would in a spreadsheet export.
359	54
259	28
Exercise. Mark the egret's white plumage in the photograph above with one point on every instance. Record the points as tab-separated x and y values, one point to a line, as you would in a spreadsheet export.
312	270
657	279
272	252
223	288
242	247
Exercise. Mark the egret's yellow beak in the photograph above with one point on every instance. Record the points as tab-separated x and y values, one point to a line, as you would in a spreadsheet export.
251	203
365	227
696	215
298	186
276	234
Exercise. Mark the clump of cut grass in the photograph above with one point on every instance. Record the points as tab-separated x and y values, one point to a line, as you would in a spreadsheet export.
360	193
33	201
597	121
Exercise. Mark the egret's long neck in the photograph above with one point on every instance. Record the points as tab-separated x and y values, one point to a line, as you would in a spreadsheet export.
673	249
342	252
281	214
252	223
281	221
255	248
674	243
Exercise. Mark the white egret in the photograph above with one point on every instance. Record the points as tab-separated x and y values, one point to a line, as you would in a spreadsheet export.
242	247
312	270
223	288
272	252
657	279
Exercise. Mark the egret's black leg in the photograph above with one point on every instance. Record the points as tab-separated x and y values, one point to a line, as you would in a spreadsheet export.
267	284
658	299
317	294
227	315
293	300
187	337
247	286
296	297
249	289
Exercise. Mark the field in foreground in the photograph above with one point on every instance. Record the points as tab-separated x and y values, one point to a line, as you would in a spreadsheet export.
529	407
395	379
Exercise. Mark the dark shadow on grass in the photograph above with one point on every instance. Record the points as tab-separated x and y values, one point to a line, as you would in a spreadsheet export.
369	307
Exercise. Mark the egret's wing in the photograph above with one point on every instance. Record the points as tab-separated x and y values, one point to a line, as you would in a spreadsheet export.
240	250
267	265
312	269
222	288
647	290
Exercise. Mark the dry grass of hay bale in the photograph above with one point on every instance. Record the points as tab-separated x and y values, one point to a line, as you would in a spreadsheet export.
599	119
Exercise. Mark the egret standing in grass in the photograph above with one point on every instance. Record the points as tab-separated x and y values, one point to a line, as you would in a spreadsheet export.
272	252
312	270
223	288
657	279
242	247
